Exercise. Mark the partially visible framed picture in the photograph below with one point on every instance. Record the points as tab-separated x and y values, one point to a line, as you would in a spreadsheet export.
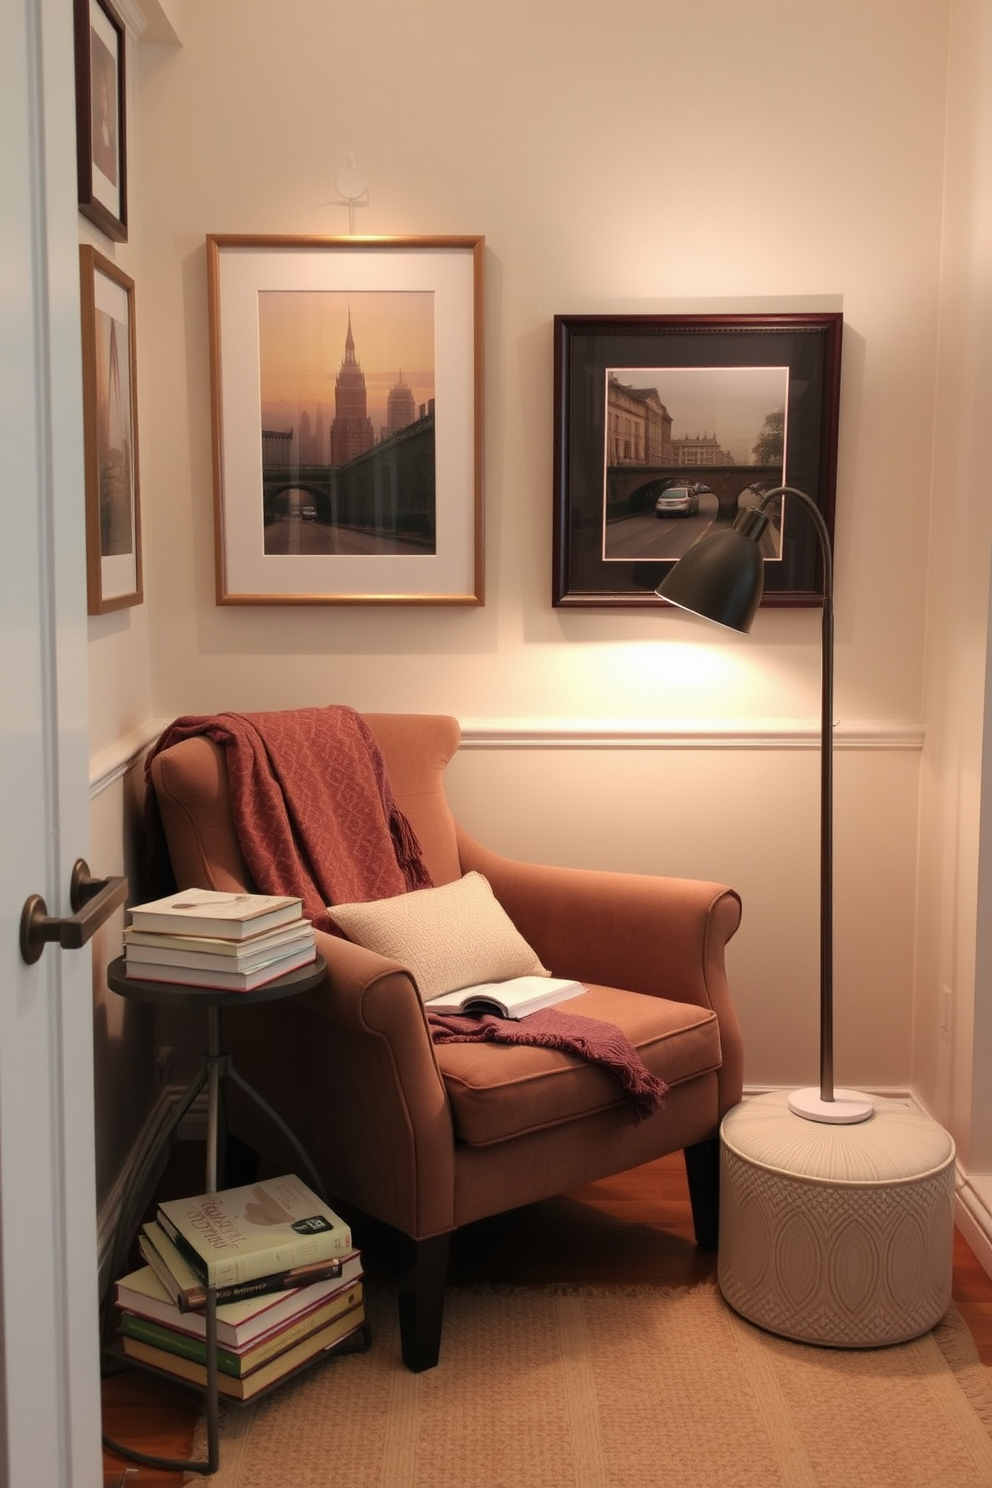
346	389
101	125
665	425
110	432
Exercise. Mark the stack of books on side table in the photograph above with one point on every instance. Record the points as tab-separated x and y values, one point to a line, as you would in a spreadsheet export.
206	938
287	1278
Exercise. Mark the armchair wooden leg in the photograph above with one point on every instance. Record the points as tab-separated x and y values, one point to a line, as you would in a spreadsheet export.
421	1287
702	1168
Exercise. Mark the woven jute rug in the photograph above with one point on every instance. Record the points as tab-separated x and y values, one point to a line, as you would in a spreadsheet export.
630	1388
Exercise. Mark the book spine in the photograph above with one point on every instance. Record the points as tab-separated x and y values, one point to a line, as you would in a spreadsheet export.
236	960
281	1367
174	1342
234	1361
187	1299
248	1286
247	980
222	1273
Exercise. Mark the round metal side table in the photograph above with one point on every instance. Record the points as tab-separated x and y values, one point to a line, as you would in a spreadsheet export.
215	1065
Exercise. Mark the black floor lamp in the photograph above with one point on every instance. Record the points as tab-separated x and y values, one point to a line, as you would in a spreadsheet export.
721	578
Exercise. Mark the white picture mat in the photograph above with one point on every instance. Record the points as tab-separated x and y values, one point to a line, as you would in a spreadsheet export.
104	190
119	571
450	274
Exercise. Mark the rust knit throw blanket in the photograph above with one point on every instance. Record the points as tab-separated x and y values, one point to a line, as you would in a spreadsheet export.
312	806
600	1043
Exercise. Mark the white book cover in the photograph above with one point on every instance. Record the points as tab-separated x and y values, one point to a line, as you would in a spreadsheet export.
514	998
223	978
230	916
158	945
238	1323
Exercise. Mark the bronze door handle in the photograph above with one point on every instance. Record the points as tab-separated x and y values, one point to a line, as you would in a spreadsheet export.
93	900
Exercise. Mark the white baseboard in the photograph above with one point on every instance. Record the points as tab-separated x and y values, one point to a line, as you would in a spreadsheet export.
972	1198
973	1217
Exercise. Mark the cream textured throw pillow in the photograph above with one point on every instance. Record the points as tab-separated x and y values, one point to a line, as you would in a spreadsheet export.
454	936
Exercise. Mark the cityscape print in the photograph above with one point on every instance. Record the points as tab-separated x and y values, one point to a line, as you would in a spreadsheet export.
347	390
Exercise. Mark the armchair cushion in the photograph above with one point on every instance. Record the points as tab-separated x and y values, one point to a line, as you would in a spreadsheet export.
498	1094
449	937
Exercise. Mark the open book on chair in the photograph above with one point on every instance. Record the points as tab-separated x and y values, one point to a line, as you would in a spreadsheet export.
514	998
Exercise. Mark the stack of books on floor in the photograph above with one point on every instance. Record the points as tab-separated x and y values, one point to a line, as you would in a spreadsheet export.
287	1278
206	938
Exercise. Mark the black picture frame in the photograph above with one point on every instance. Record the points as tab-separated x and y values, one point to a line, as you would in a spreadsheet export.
101	119
601	445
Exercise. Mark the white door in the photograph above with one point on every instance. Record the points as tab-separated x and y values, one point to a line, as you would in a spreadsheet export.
49	1371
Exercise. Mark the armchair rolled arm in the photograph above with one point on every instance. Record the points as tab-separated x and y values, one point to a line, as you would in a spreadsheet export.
368	1021
665	937
662	936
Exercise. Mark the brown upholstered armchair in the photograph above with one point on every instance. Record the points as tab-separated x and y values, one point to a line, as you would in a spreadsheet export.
425	1137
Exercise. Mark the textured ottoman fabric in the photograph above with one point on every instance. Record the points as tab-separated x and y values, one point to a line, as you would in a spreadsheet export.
838	1235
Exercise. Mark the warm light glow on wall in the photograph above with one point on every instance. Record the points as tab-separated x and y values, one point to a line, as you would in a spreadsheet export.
682	679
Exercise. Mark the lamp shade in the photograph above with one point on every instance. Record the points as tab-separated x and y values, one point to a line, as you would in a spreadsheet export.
722	576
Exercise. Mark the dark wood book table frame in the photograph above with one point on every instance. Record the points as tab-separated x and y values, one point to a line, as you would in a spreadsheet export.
215	1066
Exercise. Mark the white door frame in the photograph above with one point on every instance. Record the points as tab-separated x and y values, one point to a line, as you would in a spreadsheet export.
49	1369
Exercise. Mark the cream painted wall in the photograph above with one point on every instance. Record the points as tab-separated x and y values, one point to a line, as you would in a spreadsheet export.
120	707
120	683
749	818
799	165
951	1070
811	175
774	154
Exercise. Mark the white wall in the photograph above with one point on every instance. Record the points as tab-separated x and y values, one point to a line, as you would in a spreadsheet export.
775	154
951	1070
803	164
120	706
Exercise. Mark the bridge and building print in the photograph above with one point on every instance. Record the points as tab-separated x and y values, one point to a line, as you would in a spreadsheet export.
643	458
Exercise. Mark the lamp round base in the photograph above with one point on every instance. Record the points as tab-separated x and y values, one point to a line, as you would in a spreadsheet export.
846	1108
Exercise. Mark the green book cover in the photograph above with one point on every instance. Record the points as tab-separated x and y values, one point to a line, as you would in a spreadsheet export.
242	1361
245	1387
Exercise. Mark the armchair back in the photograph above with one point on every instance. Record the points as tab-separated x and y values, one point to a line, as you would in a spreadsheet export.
194	799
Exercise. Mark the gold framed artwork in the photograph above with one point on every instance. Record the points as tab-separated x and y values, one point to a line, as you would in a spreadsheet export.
346	393
110	430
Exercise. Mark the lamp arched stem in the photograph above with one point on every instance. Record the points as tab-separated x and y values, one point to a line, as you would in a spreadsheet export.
826	786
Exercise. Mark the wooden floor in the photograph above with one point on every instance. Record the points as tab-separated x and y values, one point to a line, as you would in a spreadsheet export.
632	1228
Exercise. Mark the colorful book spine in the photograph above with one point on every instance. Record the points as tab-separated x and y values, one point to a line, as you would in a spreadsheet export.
277	1225
188	1289
306	1351
240	1362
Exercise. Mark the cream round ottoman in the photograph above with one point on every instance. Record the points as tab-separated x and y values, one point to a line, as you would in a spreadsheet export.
839	1235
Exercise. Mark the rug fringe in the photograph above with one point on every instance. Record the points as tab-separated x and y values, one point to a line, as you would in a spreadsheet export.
955	1342
581	1289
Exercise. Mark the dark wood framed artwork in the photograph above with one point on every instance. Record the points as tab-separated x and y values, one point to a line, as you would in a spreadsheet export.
101	118
664	425
347	400
110	435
